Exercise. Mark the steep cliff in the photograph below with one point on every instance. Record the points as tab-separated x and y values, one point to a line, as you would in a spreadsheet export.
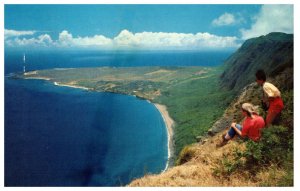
240	162
243	162
273	53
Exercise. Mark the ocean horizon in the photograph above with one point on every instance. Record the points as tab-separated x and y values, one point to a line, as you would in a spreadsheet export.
62	136
39	60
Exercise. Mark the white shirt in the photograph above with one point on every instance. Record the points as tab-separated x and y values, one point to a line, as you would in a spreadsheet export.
270	90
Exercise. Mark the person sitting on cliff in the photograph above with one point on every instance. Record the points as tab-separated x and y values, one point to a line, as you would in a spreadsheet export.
252	125
271	98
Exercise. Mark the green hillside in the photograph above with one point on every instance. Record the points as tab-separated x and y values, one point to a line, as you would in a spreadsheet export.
241	162
195	105
273	53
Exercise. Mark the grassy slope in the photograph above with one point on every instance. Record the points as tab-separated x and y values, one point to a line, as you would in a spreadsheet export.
195	105
240	162
244	163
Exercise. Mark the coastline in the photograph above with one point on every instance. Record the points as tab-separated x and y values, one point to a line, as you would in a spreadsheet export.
70	86
169	122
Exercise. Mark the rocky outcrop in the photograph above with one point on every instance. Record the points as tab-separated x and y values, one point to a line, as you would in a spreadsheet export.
232	113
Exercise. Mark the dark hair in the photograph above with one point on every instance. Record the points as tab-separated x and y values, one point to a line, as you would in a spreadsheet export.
260	75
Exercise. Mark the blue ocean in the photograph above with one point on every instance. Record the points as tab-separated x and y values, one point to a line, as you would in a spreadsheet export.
61	136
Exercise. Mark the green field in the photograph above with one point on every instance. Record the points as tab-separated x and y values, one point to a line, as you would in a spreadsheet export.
195	104
191	94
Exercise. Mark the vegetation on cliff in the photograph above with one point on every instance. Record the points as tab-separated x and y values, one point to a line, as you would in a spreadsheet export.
240	162
243	162
273	53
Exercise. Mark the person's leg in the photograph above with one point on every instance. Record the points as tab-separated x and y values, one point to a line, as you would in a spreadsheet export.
229	135
270	117
277	119
276	106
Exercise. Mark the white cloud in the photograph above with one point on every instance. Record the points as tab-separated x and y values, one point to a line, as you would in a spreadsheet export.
149	39
45	39
97	40
162	40
125	38
225	19
271	18
41	41
13	33
209	40
67	40
128	40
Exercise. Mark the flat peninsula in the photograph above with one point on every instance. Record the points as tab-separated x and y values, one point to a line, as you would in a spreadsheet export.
184	91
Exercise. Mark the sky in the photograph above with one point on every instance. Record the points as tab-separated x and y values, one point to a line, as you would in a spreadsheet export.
156	26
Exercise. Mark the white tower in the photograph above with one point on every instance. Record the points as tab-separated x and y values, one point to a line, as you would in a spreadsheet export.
24	60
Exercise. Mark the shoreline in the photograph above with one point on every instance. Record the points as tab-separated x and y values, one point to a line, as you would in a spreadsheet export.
27	76
169	122
70	86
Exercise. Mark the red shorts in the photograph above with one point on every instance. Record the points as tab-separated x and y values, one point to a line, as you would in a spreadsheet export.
276	105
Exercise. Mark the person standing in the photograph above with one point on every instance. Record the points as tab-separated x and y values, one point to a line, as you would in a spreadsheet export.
271	97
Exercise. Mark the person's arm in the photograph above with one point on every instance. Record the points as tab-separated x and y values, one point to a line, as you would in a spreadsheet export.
236	129
265	98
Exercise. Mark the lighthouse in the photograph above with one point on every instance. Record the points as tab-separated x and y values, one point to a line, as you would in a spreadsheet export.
24	60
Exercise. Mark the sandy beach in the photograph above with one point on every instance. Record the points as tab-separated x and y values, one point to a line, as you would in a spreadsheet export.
169	124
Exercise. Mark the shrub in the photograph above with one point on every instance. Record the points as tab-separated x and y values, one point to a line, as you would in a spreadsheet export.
287	118
274	148
186	154
227	166
272	154
288	179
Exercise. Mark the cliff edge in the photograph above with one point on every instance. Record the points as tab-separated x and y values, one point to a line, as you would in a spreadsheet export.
240	162
243	162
